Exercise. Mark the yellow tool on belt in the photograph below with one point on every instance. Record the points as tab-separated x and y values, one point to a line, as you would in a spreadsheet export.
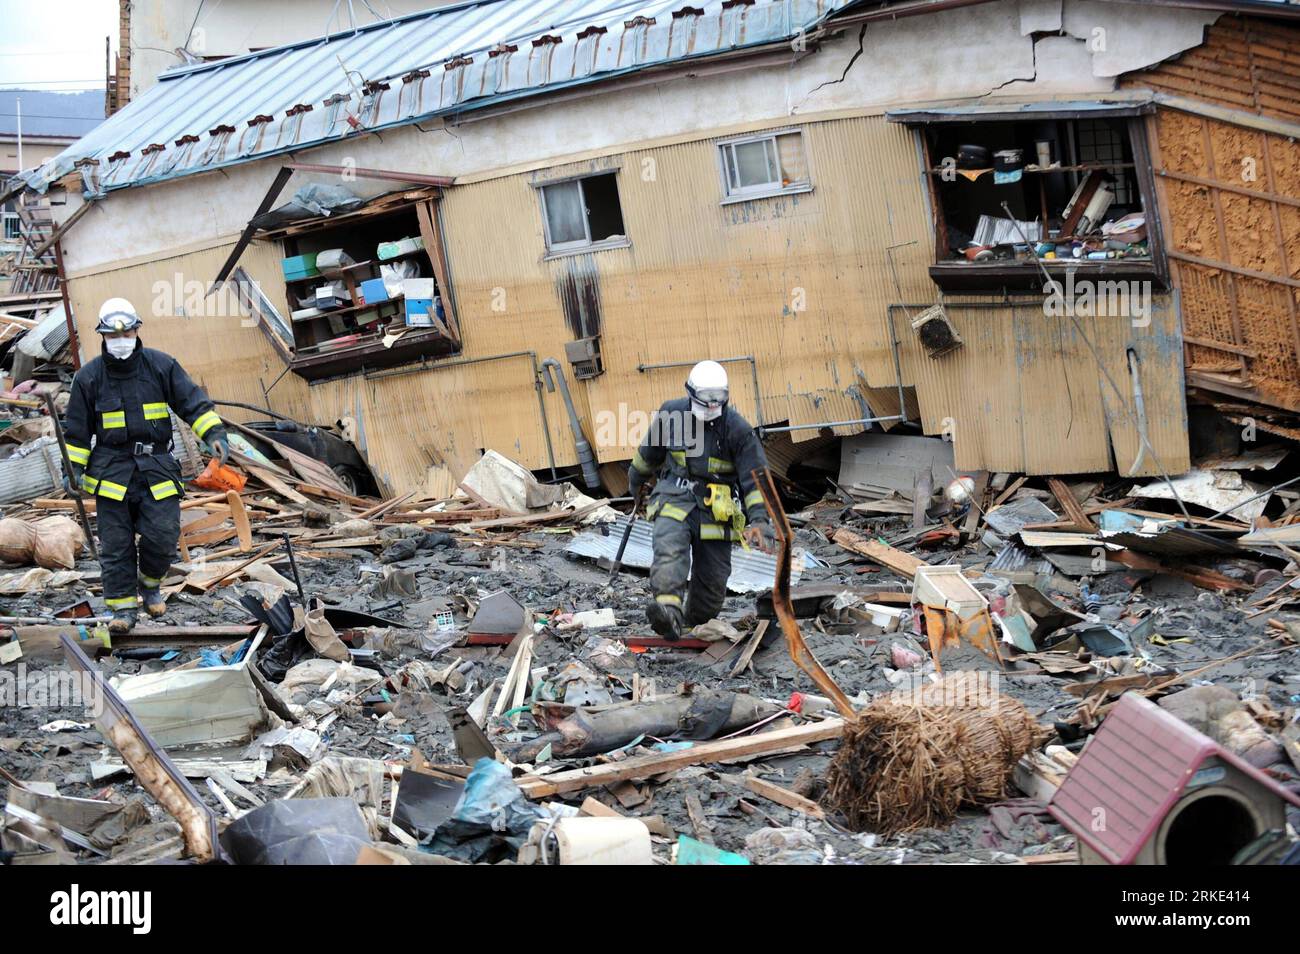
726	510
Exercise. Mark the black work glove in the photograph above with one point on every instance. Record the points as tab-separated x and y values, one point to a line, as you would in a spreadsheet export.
72	480
634	479
220	444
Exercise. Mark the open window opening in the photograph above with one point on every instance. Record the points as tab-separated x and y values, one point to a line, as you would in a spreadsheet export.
1077	187
363	289
583	213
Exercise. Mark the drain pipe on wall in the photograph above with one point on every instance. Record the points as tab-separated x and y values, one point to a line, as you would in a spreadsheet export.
537	386
585	456
753	371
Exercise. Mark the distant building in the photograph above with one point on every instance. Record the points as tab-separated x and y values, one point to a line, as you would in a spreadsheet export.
50	122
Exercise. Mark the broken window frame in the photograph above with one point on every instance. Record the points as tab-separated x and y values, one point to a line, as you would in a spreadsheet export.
738	193
955	276
558	250
441	340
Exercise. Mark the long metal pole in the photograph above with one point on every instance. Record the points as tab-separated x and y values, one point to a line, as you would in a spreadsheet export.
67	470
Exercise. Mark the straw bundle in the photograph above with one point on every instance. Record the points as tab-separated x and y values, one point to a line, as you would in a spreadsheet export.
914	760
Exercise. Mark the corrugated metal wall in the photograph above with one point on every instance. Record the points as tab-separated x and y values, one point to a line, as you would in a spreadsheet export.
1229	197
230	358
800	282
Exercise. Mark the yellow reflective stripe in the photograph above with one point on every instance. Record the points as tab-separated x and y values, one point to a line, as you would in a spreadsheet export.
206	422
673	512
163	490
155	412
753	498
150	582
640	464
88	483
113	419
713	531
111	490
122	602
668	599
679	456
78	455
719	466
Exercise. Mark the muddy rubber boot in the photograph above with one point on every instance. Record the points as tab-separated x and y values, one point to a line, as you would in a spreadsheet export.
123	621
153	601
665	620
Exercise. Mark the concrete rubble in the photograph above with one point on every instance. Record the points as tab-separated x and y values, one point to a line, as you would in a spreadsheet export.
487	695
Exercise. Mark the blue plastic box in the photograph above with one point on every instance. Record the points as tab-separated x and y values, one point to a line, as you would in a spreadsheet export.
299	266
374	291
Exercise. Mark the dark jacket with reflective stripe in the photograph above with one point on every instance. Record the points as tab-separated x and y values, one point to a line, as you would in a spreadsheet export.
120	403
724	451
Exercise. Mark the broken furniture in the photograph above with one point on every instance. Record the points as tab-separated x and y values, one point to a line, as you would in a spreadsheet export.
208	530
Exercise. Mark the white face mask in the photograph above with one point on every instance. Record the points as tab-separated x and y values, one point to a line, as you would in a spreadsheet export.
120	347
706	413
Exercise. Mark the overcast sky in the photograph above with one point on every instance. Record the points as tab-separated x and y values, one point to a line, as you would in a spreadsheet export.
55	44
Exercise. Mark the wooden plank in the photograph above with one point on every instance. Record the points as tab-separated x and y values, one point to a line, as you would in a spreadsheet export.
336	495
644	766
902	563
239	517
783	796
205	523
549	516
208	585
750	648
1011	489
1070	504
209	537
972	522
277	485
703	830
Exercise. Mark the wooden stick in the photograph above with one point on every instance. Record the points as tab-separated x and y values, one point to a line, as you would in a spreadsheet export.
209	585
783	796
644	766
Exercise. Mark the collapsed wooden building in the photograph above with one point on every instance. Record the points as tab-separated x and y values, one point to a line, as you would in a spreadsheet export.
587	200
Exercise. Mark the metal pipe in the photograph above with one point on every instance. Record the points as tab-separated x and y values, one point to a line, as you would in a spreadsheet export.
1139	405
462	362
1242	503
585	456
753	370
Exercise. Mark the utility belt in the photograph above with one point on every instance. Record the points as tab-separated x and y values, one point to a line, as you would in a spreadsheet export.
140	449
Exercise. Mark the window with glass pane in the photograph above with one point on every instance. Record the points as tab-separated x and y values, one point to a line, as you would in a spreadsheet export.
766	165
566	216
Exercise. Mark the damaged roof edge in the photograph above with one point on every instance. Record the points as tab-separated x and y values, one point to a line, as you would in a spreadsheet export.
191	123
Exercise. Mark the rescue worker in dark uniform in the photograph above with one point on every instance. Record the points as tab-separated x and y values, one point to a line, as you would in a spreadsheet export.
120	400
703	453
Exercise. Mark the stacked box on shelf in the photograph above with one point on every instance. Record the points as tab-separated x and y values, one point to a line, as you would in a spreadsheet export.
299	266
373	291
419	293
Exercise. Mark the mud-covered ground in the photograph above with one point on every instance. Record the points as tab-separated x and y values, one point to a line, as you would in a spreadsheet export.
1196	627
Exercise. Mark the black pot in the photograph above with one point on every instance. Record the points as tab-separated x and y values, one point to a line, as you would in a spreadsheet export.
972	157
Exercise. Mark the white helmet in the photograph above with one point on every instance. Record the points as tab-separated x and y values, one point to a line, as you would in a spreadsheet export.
117	314
708	390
